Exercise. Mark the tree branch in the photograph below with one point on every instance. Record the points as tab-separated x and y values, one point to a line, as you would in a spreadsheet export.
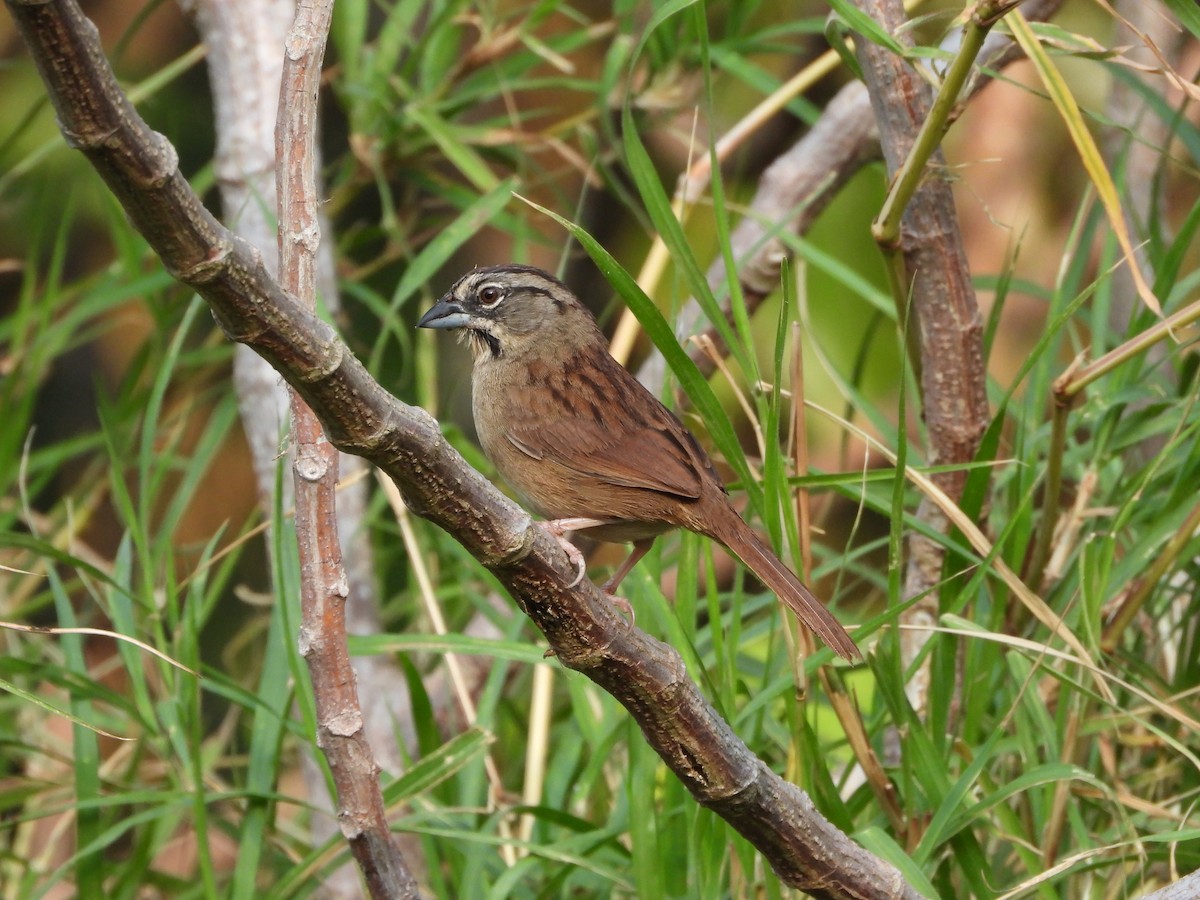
324	584
244	39
944	317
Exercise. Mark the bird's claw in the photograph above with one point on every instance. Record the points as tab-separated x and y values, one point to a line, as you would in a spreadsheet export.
558	529
578	560
573	553
624	606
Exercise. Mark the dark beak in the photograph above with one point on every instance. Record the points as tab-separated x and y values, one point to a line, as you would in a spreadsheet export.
446	313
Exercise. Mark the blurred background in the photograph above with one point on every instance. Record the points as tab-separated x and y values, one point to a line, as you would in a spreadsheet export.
122	459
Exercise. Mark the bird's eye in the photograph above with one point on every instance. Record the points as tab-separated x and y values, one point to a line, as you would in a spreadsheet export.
490	295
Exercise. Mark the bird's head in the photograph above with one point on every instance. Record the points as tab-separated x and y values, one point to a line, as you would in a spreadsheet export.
512	310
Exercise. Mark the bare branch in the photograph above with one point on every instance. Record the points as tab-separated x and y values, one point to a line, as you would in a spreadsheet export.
324	585
944	316
245	64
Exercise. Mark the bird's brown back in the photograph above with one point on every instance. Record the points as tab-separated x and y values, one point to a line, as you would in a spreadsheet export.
578	436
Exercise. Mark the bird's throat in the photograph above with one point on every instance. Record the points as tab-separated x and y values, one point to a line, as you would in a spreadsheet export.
483	344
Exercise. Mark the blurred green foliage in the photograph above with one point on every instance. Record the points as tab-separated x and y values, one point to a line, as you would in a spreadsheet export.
126	491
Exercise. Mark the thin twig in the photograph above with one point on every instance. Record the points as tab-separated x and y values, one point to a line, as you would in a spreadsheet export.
324	585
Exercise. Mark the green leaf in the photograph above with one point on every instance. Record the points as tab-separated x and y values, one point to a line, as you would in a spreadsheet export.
264	762
859	22
514	651
439	765
884	846
658	205
1089	151
54	709
461	155
348	31
450	239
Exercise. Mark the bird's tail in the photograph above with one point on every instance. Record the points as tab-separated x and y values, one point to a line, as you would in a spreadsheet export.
749	548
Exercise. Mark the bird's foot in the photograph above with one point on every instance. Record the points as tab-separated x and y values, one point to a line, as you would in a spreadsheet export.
574	554
560	528
624	606
610	587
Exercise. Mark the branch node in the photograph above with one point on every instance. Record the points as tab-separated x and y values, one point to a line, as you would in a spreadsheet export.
327	363
207	269
505	557
347	723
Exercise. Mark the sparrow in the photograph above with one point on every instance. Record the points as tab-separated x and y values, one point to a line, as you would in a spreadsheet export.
584	444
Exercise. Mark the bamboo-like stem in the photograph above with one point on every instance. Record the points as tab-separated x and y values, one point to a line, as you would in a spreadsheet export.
926	261
1159	331
885	229
1066	390
1034	573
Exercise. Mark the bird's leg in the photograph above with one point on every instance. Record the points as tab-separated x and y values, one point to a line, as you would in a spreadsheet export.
640	549
560	528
